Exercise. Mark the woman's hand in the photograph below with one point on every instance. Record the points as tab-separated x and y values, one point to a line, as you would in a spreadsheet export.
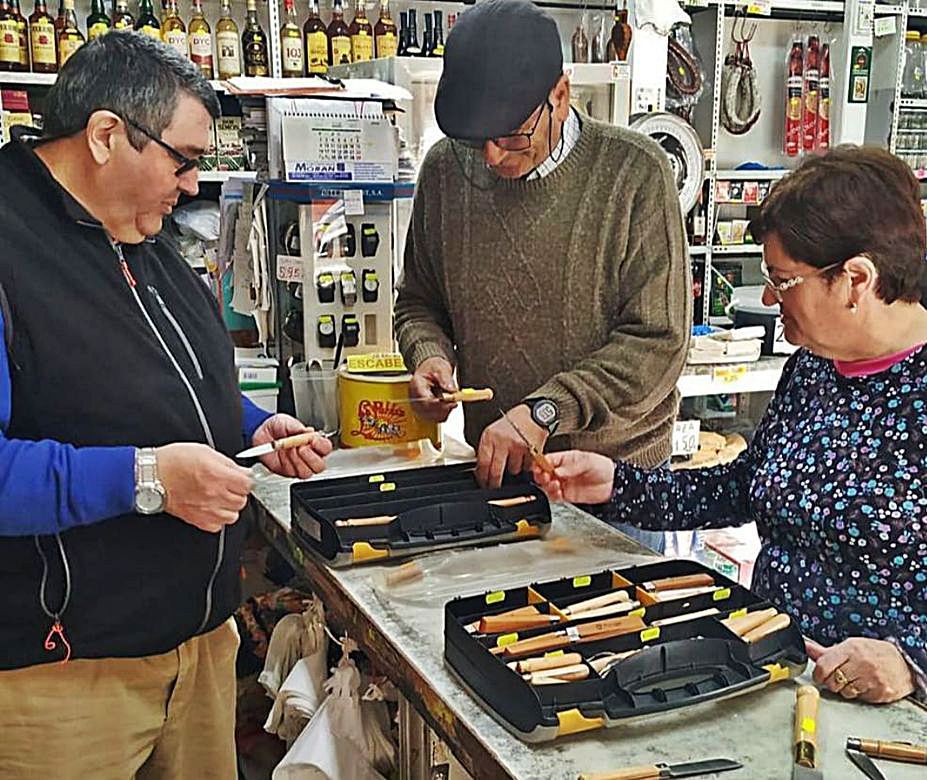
579	477
870	670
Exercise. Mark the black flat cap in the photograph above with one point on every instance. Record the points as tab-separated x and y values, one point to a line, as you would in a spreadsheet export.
501	59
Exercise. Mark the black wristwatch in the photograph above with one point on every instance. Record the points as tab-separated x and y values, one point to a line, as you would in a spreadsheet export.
545	413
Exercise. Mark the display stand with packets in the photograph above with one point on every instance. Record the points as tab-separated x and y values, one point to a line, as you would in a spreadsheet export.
597	650
392	515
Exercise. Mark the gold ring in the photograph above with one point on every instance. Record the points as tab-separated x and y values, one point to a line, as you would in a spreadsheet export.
850	691
840	678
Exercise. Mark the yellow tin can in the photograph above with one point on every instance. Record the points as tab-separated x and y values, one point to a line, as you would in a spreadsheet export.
375	410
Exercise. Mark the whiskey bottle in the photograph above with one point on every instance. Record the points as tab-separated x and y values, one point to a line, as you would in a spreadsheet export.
339	38
201	40
42	40
384	33
9	39
22	35
59	19
122	18
291	42
147	22
412	46
228	46
70	38
437	41
316	40
254	44
98	23
426	35
361	32
174	31
403	43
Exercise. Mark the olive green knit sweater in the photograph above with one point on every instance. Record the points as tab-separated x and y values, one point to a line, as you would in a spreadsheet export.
574	286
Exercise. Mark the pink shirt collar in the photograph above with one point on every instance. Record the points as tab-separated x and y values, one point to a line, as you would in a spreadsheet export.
858	368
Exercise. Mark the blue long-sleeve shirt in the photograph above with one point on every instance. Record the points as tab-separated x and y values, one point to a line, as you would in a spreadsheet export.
48	487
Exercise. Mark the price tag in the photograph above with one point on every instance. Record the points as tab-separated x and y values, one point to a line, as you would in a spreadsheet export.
885	25
727	375
760	7
582	582
685	437
289	269
353	203
621	71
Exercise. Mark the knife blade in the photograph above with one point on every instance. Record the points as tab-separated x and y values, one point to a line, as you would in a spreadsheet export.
536	455
865	765
659	771
893	751
282	444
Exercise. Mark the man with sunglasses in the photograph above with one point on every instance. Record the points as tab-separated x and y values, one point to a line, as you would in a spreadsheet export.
546	258
119	418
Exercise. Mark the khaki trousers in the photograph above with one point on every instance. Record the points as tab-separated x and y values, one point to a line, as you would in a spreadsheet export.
162	717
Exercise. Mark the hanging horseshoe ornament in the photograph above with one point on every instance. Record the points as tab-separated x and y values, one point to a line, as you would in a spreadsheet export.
682	146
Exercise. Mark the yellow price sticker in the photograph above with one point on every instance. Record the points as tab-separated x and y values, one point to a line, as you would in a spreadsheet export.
376	478
638	612
495	597
553	653
506	639
727	375
809	725
387	487
651	633
738	613
582	582
721	595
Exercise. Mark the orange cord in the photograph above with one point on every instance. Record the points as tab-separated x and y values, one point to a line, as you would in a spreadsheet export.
51	644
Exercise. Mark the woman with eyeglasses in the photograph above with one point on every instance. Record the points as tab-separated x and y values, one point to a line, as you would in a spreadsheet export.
836	475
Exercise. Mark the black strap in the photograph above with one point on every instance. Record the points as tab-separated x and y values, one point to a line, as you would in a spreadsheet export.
7	313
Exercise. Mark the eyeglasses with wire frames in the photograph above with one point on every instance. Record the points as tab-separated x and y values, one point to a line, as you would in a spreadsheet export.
513	142
777	288
187	164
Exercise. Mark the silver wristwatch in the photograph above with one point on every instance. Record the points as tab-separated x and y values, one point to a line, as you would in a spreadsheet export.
150	495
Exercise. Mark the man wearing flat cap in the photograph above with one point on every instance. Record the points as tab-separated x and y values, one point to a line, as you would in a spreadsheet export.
546	258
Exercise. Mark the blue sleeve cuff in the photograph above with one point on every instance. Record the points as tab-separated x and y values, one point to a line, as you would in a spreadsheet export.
252	417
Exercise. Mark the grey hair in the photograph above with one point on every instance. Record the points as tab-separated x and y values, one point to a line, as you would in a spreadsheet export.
130	74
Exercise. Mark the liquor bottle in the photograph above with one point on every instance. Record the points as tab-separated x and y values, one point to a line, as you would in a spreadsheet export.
98	23
620	40
412	47
22	34
339	38
291	42
228	47
451	21
384	33
200	40
437	41
9	39
426	36
254	44
59	19
122	18
316	40
361	32
147	22
42	40
403	43
579	44
70	38
174	31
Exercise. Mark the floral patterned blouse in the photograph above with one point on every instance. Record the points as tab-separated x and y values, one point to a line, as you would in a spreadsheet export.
836	480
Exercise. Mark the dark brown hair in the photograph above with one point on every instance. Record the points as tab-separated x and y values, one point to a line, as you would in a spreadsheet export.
852	200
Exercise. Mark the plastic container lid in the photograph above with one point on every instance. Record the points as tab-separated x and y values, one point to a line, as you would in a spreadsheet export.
749	300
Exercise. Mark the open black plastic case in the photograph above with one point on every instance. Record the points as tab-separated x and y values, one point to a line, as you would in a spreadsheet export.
433	508
678	665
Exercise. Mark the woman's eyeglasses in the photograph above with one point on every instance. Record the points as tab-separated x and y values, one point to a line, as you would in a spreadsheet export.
778	288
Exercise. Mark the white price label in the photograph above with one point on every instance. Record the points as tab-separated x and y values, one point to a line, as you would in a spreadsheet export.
760	7
885	25
353	203
621	71
685	437
289	269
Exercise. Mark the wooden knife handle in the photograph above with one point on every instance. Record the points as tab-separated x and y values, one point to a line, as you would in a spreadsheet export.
762	631
806	725
298	440
621	624
468	395
496	624
741	625
516	501
537	644
543	463
598	601
359	522
632	773
677	583
896	751
549	662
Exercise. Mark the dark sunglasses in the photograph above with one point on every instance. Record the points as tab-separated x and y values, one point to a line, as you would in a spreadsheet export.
513	142
186	163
